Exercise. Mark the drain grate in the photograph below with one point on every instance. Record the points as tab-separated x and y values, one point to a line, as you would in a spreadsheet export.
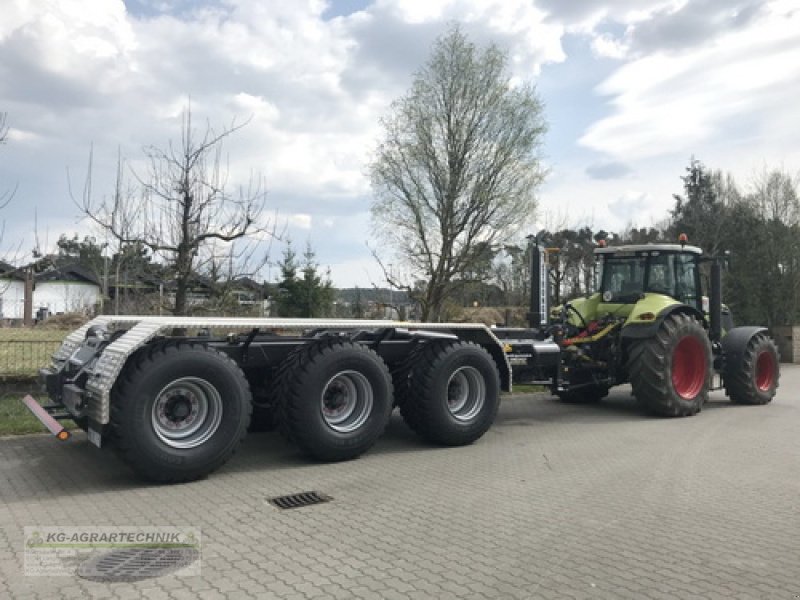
135	564
299	500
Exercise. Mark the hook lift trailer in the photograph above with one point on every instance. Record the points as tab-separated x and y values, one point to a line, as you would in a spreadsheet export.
175	395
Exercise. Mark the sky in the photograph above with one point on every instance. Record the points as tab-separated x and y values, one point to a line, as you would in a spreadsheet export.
632	90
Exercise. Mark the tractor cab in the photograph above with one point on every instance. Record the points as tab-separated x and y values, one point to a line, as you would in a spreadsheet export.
627	274
636	283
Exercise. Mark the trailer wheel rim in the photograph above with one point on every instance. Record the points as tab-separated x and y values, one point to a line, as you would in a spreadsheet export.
688	368
466	393
346	401
765	371
187	412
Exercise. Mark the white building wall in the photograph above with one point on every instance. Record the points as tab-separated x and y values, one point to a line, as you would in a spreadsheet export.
65	296
12	299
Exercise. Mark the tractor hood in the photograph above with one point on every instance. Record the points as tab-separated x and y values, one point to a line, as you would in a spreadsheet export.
644	311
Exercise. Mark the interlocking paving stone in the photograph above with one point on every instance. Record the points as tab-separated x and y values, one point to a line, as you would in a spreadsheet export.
555	501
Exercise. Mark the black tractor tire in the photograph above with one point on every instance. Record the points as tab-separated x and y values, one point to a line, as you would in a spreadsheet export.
335	399
179	411
584	395
754	380
670	373
452	393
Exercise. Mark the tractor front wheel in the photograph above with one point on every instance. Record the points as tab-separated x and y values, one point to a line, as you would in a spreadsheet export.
753	379
670	372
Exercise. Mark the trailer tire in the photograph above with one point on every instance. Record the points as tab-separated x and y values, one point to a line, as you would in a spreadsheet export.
754	380
452	393
179	411
670	372
335	399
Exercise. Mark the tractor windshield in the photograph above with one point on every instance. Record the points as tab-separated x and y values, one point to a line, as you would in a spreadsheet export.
624	278
661	275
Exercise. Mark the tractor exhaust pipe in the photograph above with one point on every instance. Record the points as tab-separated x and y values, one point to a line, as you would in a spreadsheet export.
540	293
715	309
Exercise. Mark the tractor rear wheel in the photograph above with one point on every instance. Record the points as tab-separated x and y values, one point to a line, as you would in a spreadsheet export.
670	372
754	380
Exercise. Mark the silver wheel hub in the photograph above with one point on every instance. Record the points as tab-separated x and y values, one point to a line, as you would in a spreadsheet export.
187	412
346	401
466	393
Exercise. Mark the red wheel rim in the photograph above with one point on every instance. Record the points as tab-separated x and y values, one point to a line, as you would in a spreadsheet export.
765	371
688	368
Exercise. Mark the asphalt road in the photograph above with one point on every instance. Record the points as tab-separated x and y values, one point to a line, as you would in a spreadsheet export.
556	501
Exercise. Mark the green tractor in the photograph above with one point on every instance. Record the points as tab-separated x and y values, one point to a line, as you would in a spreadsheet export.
648	324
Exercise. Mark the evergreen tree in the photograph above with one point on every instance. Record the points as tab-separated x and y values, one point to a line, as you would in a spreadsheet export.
703	212
302	291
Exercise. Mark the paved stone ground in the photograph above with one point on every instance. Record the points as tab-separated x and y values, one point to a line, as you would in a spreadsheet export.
556	501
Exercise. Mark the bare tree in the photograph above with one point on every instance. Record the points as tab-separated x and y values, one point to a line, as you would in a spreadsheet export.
5	196
457	169
183	210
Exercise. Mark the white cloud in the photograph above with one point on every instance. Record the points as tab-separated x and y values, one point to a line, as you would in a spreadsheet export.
22	136
632	207
257	107
71	43
584	16
608	46
518	25
300	221
672	102
362	271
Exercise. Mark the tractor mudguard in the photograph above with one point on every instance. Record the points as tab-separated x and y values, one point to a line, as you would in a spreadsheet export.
736	341
638	331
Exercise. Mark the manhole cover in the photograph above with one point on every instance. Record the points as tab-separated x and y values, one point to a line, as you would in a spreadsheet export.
299	500
134	564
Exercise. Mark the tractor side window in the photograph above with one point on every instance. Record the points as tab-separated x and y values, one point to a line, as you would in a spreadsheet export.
661	277
686	270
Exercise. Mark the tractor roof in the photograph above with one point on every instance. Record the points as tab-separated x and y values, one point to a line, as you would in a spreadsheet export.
648	248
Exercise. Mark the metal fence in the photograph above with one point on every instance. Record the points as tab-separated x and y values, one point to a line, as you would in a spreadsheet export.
24	358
